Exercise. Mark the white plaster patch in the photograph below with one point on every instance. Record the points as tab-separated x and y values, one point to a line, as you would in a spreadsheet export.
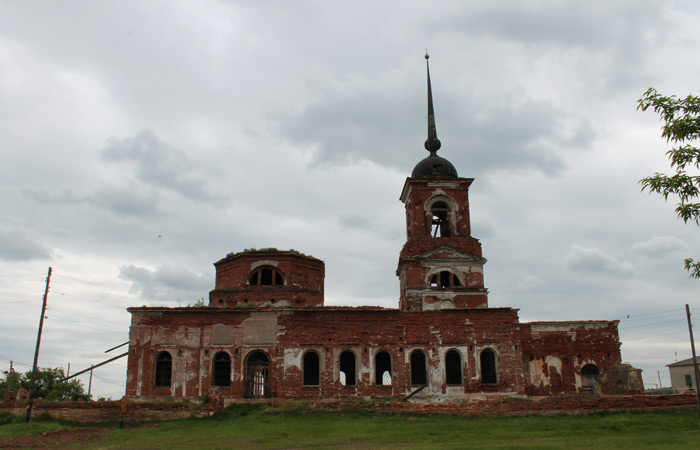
264	262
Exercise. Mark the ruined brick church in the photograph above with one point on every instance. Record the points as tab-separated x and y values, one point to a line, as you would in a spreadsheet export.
267	333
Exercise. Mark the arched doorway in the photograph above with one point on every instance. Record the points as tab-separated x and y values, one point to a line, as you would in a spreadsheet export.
590	380
257	375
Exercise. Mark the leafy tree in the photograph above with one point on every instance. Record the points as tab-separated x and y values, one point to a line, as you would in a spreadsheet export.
681	127
49	384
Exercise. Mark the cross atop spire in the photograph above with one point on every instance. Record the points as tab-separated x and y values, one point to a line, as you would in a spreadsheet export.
432	144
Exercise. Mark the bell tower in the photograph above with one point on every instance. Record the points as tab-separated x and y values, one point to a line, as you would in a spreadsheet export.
440	266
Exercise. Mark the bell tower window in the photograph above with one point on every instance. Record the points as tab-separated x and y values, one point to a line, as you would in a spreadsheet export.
265	276
444	280
440	225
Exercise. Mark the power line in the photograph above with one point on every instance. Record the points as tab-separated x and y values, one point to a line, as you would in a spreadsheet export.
92	300
653	335
653	324
85	326
120	383
679	310
87	317
662	315
21	363
114	289
17	281
19	301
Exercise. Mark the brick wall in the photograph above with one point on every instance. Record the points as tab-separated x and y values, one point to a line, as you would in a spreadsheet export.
192	336
301	276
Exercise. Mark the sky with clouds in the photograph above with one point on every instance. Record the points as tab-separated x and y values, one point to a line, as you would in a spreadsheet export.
142	141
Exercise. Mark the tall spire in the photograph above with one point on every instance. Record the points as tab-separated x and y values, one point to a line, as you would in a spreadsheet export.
432	144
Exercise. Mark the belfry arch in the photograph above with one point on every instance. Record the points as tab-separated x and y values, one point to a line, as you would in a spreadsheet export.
441	216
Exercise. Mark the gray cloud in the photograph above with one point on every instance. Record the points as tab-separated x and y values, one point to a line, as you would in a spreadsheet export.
162	165
129	201
17	246
512	133
593	24
587	261
172	281
65	196
659	246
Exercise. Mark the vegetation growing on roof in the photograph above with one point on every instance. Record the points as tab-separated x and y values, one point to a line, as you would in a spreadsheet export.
270	250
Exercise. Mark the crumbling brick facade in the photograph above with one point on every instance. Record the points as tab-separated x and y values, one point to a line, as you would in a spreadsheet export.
266	332
268	277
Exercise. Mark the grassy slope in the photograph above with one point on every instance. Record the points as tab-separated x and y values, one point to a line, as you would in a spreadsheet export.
11	425
246	427
251	426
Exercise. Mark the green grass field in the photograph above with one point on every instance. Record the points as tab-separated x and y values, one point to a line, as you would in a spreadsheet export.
257	426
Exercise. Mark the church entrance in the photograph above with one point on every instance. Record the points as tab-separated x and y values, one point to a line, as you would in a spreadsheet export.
257	375
590	380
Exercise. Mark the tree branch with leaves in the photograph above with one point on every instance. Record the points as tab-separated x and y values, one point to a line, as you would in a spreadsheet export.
681	128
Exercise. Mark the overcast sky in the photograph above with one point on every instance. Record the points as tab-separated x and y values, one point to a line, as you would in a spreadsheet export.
142	141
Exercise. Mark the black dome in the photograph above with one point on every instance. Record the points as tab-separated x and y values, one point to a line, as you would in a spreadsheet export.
434	165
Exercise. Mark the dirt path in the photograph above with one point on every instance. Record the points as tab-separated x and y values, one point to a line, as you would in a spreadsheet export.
59	438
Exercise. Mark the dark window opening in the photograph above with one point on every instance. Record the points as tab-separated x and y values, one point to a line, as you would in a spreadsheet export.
444	279
347	368
440	223
310	369
266	276
689	381
453	367
488	367
382	364
222	369
164	369
590	380
590	369
419	374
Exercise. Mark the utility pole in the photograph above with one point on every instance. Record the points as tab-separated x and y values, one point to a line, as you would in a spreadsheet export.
695	361
65	385
9	379
30	405
90	384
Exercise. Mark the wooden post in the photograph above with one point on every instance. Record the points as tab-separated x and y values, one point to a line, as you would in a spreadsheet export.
695	361
30	405
90	384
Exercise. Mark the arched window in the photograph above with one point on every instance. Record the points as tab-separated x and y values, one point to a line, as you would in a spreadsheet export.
453	367
382	363
222	369
347	368
419	374
265	276
310	369
164	369
444	279
440	226
488	367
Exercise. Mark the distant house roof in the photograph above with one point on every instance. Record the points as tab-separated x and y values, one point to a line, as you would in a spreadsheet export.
685	362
